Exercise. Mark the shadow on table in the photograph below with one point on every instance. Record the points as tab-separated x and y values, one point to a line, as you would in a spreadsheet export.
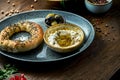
41	67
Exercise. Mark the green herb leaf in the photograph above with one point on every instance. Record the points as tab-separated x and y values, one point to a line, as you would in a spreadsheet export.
7	71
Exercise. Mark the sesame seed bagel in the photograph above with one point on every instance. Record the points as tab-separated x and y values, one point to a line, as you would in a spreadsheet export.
16	46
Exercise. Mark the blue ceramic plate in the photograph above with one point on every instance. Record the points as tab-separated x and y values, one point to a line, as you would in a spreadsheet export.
42	53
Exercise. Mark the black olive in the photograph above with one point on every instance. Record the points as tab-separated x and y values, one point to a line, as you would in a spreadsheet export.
52	19
49	20
59	19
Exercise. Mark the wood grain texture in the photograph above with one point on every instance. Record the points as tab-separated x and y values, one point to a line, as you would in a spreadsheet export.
99	62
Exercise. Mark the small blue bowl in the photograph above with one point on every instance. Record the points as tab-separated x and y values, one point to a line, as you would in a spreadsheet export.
98	8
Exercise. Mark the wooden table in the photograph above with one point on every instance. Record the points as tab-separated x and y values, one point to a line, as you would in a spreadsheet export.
99	62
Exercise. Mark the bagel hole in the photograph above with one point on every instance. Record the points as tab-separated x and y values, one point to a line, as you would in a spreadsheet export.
22	36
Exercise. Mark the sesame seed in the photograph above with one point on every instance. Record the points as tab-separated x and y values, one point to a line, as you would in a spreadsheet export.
35	0
108	39
10	14
16	11
13	4
8	1
2	12
12	11
32	6
105	33
7	13
106	25
33	9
